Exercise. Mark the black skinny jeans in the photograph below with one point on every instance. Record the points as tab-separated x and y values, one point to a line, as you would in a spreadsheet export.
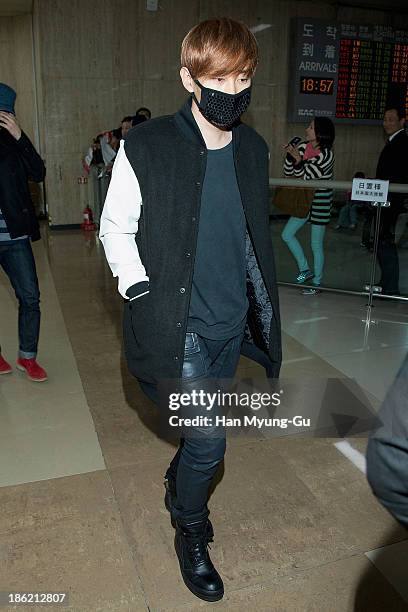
200	453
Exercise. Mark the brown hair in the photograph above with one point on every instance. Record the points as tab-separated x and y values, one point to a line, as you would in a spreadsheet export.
218	47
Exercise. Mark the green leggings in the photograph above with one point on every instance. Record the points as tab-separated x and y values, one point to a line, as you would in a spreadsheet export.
317	237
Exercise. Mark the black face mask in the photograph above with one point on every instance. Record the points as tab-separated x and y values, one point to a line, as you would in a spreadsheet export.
222	109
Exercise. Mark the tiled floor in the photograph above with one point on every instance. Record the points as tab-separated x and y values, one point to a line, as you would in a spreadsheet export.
49	424
297	528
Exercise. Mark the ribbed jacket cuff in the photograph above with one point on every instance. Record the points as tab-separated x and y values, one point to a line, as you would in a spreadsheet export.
137	290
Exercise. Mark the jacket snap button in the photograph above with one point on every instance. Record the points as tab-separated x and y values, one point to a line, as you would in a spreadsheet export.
198	183
175	358
202	152
188	254
193	219
182	290
178	324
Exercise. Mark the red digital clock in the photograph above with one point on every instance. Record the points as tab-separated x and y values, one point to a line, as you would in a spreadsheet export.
316	85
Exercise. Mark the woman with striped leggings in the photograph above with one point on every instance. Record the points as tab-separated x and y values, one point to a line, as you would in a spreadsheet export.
311	159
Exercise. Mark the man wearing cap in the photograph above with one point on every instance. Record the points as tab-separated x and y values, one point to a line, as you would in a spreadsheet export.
19	162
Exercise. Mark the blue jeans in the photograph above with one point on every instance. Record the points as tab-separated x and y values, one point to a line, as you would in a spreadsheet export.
348	215
17	260
198	457
317	237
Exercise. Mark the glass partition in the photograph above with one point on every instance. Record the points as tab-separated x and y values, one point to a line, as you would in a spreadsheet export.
354	260
401	241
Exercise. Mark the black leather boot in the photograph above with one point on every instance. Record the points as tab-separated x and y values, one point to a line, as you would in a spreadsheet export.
169	500
197	569
170	494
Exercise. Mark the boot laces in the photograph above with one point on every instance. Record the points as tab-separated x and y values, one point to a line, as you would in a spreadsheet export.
197	546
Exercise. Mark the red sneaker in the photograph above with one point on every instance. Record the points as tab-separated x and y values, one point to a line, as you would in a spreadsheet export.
34	371
5	368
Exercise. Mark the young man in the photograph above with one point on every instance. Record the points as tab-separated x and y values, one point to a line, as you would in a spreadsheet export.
19	161
142	114
185	228
392	166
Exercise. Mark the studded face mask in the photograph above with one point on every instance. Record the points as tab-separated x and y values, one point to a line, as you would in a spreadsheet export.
222	109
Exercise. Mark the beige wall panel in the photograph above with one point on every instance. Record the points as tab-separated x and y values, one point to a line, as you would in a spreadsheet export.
100	60
127	40
76	38
67	196
175	96
128	97
161	35
16	67
23	62
77	109
15	7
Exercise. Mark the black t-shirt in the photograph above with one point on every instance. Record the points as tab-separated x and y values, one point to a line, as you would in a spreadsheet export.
219	304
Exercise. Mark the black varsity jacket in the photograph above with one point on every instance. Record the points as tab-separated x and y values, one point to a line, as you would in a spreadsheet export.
149	230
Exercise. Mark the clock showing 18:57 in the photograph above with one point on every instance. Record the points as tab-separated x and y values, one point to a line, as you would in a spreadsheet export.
316	85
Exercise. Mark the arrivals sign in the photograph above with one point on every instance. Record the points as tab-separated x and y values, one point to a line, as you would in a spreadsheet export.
347	72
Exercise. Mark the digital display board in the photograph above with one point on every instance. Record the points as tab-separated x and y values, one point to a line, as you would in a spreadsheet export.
347	72
316	85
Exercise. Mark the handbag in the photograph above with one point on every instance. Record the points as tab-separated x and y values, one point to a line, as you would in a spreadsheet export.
294	201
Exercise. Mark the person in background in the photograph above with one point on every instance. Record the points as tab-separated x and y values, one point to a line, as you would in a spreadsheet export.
348	214
125	125
97	158
93	156
311	159
108	153
114	138
19	161
142	114
93	164
392	166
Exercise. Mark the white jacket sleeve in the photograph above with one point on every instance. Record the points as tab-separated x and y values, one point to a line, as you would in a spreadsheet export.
119	225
